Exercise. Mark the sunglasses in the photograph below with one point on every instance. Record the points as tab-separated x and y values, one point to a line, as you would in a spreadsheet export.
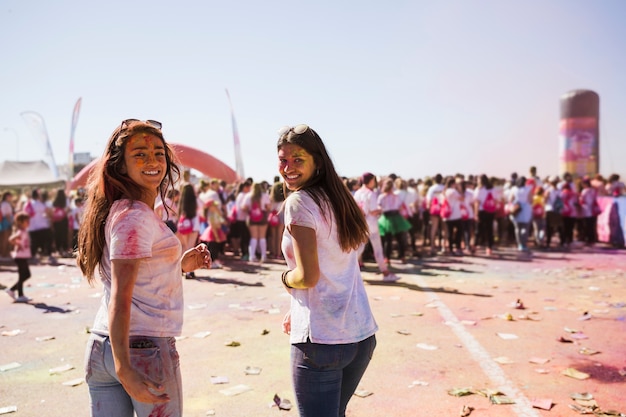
298	130
153	123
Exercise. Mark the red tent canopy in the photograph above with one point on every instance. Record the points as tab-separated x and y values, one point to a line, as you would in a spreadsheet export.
187	156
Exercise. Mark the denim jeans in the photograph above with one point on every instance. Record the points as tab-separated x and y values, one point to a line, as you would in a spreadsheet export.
326	376
159	362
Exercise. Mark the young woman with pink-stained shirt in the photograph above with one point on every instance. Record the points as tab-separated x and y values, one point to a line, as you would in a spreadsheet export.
131	362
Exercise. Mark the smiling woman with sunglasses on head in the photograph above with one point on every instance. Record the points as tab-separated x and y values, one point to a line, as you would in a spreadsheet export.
330	324
131	361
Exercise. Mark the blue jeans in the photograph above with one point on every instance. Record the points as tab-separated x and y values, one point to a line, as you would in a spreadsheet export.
159	362
326	376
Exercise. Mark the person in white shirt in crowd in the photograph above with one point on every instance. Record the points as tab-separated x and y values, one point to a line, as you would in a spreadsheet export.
434	197
367	199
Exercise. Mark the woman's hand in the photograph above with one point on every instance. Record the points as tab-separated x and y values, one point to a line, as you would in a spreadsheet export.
194	258
141	388
287	323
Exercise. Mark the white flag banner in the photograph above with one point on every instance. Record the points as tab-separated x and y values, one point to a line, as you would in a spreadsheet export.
38	126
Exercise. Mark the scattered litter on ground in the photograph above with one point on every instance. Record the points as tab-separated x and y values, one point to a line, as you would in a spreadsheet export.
503	360
217	380
573	373
418	383
232	344
542	403
201	335
362	393
9	366
236	390
539	361
44	338
8	409
426	346
403	332
253	370
282	403
61	369
507	336
12	333
74	382
466	411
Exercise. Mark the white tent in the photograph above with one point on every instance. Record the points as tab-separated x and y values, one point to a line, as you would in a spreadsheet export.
18	174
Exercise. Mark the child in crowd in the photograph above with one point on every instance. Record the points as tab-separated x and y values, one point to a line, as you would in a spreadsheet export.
76	220
21	253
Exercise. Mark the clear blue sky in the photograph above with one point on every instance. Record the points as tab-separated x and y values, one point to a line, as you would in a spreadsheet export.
410	87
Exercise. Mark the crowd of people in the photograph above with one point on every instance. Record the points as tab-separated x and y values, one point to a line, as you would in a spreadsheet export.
411	217
458	214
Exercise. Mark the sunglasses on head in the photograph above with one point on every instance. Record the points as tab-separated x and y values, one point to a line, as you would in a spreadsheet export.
298	130
153	123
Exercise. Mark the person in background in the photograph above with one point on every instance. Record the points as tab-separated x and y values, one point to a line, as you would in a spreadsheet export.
6	223
20	240
331	325
539	216
276	220
61	223
240	233
392	225
589	211
615	187
569	213
434	197
485	204
553	207
257	206
167	209
214	235
132	365
451	215
367	200
76	219
520	194
188	226
39	226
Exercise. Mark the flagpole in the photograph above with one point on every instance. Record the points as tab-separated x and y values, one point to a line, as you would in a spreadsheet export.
238	158
70	162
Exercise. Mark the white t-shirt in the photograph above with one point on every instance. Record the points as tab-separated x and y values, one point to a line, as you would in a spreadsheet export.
336	310
367	200
134	231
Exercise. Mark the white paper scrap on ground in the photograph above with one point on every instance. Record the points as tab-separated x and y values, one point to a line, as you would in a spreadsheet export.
61	369
74	382
236	390
507	336
8	409
9	366
426	346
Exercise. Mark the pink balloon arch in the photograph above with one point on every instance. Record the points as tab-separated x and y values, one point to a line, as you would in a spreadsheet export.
187	156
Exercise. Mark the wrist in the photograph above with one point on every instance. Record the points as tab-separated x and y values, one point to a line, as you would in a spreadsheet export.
285	280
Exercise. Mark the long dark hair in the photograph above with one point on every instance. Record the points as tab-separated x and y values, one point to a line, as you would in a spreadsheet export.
109	182
328	190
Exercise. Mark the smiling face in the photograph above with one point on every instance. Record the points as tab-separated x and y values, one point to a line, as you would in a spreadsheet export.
145	162
295	165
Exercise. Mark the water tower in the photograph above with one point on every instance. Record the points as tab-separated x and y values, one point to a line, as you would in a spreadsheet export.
579	135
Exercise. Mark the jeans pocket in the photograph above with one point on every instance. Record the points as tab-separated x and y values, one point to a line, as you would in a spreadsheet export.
148	362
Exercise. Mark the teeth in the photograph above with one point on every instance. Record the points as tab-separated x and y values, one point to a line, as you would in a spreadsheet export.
151	172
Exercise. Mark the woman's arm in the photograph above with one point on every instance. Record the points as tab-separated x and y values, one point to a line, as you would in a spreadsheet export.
307	271
123	277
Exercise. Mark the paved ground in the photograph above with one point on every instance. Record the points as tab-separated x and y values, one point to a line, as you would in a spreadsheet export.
450	323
